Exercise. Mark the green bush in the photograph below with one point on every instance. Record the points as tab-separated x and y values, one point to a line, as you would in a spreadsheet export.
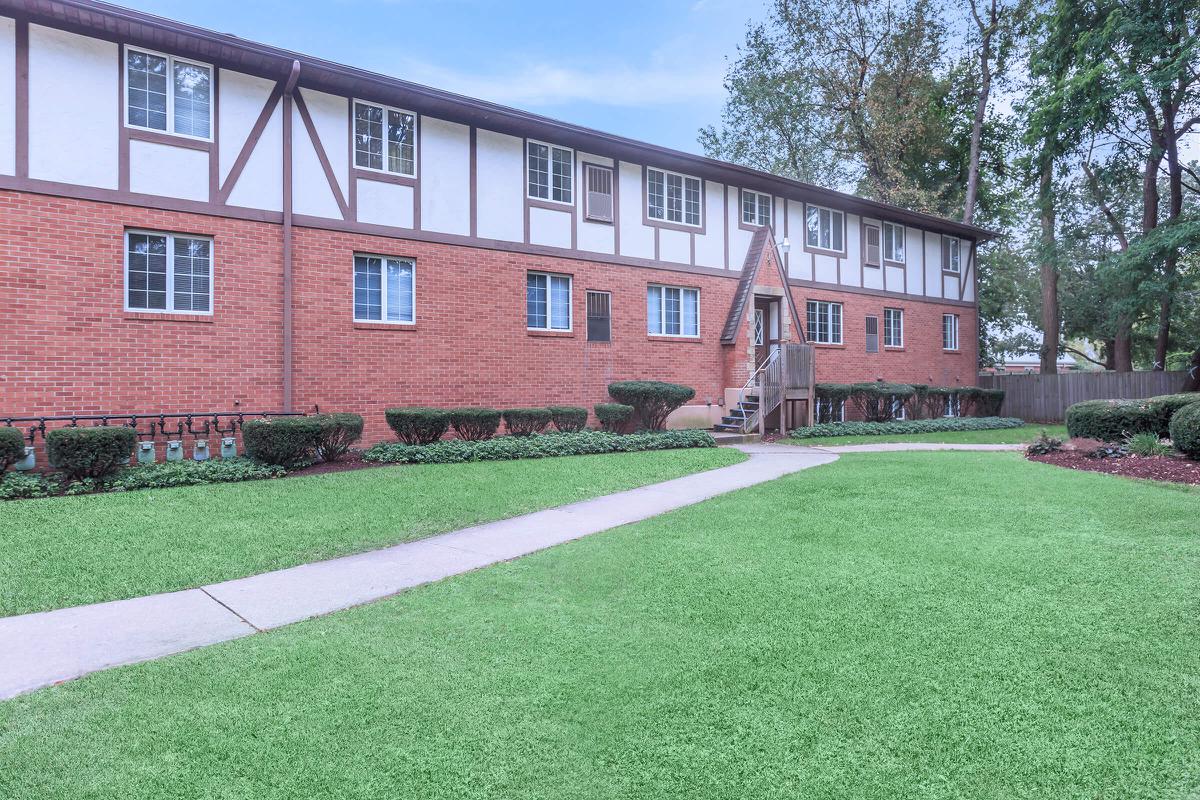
989	402
1146	444
547	445
416	425
1111	420
1044	445
652	401
1165	405
526	421
939	425
90	452
283	441
877	401
338	432
1185	430
569	419
12	447
193	473
26	485
475	424
614	417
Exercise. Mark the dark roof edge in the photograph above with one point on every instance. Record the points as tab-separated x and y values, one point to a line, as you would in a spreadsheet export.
149	30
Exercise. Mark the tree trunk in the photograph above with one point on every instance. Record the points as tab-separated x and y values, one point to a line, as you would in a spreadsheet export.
1048	271
1123	346
981	104
1162	341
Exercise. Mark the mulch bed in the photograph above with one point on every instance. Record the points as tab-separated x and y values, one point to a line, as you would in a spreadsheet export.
350	461
1155	468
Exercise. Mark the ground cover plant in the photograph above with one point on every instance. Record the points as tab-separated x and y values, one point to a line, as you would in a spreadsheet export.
547	445
65	551
905	427
837	633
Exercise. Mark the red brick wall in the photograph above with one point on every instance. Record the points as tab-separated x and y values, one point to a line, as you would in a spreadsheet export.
68	347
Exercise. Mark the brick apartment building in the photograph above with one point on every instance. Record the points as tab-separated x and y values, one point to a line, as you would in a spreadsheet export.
193	222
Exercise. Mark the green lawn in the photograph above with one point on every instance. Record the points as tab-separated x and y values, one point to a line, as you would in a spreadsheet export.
68	551
909	625
999	436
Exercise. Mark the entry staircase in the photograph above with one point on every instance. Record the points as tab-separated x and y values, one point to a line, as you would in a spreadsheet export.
786	374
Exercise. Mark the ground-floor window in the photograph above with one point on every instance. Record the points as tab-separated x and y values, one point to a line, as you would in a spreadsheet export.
548	301
824	322
949	331
168	272
826	410
893	327
383	289
898	408
953	406
672	311
599	316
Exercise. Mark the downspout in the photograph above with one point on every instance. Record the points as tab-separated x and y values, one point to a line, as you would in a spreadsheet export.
288	88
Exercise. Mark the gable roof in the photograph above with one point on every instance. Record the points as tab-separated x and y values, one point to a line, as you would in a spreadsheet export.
760	248
107	21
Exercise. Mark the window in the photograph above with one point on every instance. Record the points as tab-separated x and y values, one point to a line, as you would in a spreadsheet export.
385	139
672	197
871	245
672	311
898	409
165	272
760	328
548	301
756	208
550	171
599	316
825	228
893	327
824	322
949	331
872	334
827	411
893	243
383	289
951	249
598	183
164	93
953	406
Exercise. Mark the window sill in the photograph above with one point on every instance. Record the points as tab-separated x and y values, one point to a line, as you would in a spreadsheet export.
821	251
662	337
955	352
550	334
887	348
955	273
166	316
828	346
385	326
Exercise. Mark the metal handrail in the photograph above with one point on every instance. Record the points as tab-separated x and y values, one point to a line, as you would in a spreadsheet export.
181	423
751	382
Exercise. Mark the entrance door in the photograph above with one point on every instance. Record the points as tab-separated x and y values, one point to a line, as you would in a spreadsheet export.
766	328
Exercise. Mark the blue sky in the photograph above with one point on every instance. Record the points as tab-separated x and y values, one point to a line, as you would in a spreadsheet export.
651	70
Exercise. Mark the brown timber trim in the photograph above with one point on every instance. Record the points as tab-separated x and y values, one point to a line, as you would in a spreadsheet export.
286	101
22	97
122	128
742	224
214	154
616	207
821	251
170	139
322	157
260	124
473	186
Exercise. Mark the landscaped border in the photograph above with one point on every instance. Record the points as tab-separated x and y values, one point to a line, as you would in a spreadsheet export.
940	425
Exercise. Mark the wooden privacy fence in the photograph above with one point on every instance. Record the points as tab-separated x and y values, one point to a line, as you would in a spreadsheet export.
1045	398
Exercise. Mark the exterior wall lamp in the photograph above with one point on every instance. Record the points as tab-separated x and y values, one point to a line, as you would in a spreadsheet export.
785	245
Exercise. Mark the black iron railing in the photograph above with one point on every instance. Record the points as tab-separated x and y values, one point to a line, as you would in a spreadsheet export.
151	426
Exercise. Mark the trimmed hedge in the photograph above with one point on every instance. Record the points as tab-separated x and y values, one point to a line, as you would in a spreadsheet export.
1185	430
12	447
338	432
569	419
547	445
526	421
90	452
652	401
1111	420
939	425
1165	406
474	424
613	416
418	425
283	441
920	401
876	400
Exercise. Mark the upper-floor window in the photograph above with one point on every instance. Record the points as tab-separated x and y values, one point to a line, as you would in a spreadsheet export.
824	322
893	327
672	197
164	93
383	289
385	139
949	331
548	301
168	272
672	311
893	242
871	245
951	253
756	208
551	172
825	228
598	183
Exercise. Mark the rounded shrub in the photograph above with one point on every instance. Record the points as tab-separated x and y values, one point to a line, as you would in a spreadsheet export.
283	441
1110	420
417	425
475	424
526	421
569	419
1185	430
338	432
877	401
652	401
613	416
1166	405
95	453
12	447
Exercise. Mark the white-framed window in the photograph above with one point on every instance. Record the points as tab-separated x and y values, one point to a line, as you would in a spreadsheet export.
672	311
953	406
598	184
547	301
550	172
899	411
824	322
893	327
760	327
385	139
893	242
951	254
826	410
872	247
756	208
168	94
825	228
384	289
949	331
672	197
168	272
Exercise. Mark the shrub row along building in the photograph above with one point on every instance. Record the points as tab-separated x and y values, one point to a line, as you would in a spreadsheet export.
194	222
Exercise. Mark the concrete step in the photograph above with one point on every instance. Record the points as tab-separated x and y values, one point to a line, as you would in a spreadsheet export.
729	438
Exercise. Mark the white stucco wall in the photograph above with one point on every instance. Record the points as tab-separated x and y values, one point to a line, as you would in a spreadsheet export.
550	227
710	247
382	203
241	98
674	246
637	240
330	116
311	193
261	182
933	266
852	271
445	175
161	169
915	260
8	97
